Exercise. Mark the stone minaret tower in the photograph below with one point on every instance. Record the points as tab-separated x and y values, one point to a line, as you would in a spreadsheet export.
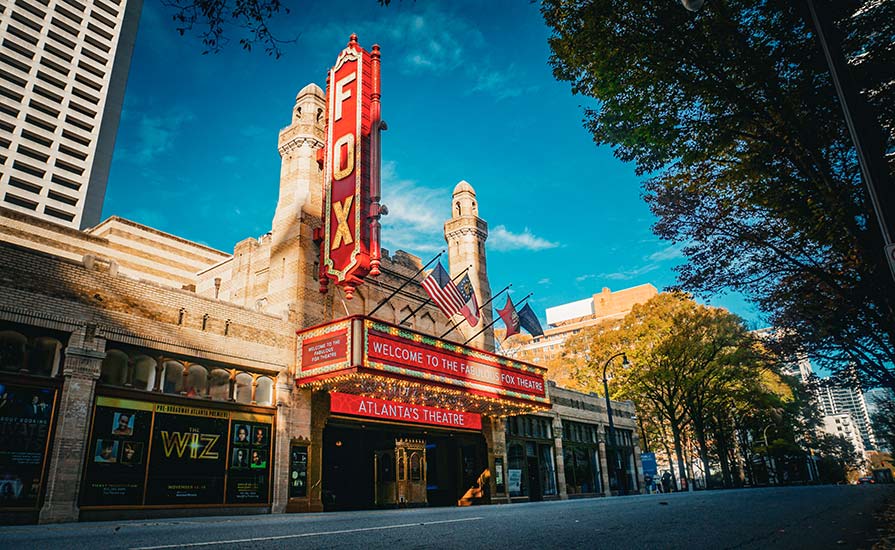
465	234
292	251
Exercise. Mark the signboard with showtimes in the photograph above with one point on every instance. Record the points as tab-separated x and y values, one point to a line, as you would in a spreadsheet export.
349	244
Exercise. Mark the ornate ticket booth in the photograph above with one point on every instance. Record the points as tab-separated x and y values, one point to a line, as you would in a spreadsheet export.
405	419
400	474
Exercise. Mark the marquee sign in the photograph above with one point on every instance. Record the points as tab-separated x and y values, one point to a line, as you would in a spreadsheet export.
348	353
382	409
349	244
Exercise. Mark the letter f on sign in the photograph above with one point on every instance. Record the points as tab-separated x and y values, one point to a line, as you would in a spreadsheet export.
342	94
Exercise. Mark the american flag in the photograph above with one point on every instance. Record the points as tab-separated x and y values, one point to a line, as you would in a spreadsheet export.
443	291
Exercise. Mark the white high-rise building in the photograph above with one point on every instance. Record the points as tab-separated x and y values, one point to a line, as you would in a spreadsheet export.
63	71
836	398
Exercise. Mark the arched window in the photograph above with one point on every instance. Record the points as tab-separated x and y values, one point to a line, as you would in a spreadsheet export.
264	391
172	377
113	370
12	350
219	385
144	372
459	210
244	388
43	360
196	381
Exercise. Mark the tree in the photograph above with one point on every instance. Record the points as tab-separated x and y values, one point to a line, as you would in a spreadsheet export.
215	19
721	110
838	458
693	365
883	421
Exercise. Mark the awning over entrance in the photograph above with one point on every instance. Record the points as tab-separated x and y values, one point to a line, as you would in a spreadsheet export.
364	356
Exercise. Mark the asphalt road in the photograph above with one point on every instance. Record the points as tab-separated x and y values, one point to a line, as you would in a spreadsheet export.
794	517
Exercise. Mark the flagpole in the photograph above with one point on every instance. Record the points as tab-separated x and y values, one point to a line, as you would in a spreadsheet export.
460	322
429	299
495	320
407	282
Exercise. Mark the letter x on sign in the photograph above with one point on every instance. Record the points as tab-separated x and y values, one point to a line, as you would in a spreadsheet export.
343	235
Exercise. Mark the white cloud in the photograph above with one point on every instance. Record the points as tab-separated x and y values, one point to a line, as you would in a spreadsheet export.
414	222
668	253
544	281
155	136
432	40
629	274
502	239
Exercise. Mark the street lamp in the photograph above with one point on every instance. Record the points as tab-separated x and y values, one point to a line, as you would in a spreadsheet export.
612	439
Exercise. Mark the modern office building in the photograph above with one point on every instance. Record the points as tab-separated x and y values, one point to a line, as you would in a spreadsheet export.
63	72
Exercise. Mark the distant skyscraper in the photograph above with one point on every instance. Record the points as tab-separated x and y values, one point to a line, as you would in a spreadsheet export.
842	398
63	71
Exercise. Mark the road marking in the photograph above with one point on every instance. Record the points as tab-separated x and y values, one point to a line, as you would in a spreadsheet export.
303	535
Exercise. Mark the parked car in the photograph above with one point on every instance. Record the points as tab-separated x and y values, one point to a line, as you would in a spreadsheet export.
866	480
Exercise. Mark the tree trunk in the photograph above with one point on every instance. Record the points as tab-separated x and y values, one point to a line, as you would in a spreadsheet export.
723	456
702	444
679	452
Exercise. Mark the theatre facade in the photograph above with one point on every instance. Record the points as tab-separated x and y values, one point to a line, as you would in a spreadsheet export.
143	375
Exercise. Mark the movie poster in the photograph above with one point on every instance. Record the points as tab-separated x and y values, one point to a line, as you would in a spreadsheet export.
248	476
189	455
25	416
298	471
118	453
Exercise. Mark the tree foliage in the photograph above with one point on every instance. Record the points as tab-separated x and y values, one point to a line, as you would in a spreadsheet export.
732	116
697	374
883	421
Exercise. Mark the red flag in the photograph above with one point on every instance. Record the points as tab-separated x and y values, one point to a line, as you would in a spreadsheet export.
510	317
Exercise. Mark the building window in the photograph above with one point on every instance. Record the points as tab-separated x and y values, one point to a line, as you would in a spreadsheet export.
531	468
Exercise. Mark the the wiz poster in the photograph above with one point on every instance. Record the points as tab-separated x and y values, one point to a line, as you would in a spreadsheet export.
172	455
25	416
189	456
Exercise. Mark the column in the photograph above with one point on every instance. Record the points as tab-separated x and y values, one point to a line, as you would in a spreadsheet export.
559	459
279	477
81	370
319	416
495	432
604	468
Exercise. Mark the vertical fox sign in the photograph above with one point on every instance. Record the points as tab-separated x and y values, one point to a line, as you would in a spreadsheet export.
349	244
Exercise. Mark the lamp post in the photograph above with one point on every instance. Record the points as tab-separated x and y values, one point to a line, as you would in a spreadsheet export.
612	439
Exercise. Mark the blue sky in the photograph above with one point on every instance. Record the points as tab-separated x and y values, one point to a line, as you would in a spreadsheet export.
467	94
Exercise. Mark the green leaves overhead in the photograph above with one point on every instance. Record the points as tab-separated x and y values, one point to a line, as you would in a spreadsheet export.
731	114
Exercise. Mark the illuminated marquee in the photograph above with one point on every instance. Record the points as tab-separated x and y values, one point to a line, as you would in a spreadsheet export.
359	354
349	244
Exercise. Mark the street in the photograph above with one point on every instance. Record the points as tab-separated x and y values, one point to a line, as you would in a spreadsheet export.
790	517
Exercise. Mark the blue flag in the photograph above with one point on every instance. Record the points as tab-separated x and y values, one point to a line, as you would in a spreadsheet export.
529	321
